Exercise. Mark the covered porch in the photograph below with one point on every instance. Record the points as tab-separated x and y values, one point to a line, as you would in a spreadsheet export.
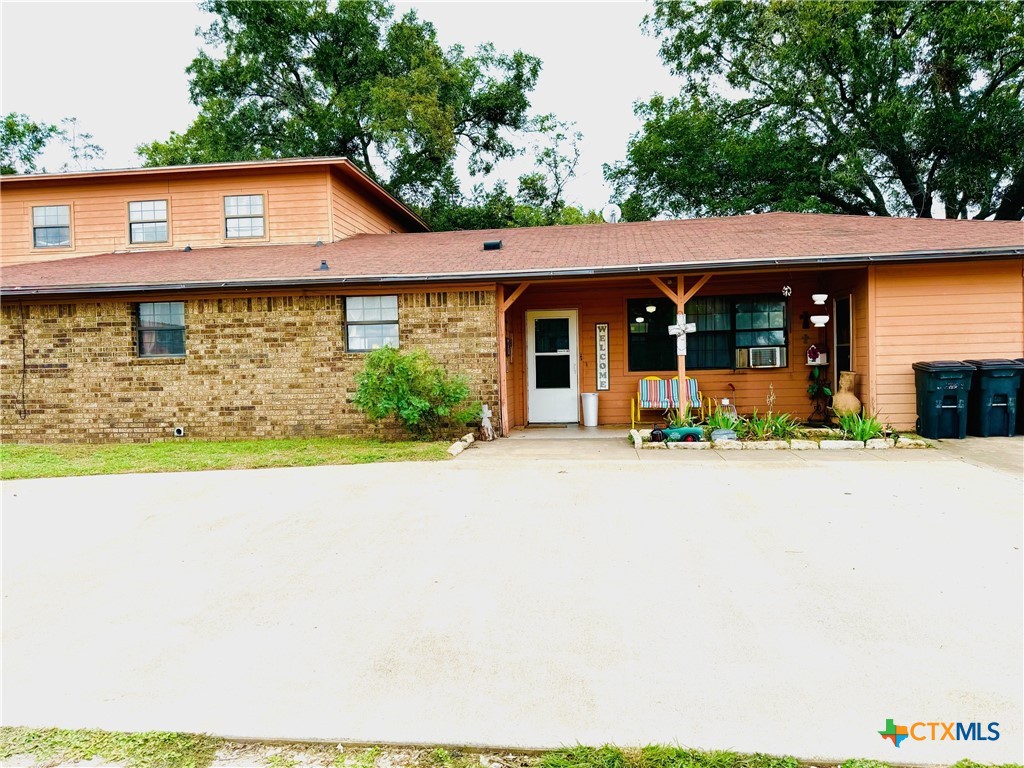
560	338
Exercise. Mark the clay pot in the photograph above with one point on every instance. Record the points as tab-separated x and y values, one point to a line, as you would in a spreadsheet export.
844	401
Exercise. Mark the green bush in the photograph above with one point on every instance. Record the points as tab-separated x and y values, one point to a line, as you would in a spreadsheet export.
413	388
720	419
857	427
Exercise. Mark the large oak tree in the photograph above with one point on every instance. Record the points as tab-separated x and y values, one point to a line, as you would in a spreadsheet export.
861	107
312	77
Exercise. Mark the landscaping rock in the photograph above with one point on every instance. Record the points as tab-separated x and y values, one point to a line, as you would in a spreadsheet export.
876	443
638	441
467	439
655	445
912	442
803	445
840	445
690	446
727	445
645	433
821	431
766	445
457	448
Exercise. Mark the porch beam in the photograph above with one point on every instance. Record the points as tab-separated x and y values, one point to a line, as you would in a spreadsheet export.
681	309
692	292
660	285
502	360
514	295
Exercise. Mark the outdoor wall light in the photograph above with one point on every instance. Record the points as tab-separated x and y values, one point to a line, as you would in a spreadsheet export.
818	321
819	298
639	319
651	308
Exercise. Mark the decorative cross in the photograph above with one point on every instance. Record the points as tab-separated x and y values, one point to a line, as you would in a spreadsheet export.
679	330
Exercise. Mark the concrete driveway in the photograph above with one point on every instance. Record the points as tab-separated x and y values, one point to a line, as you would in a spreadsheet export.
767	603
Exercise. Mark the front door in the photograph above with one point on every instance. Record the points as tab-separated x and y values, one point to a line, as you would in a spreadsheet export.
551	360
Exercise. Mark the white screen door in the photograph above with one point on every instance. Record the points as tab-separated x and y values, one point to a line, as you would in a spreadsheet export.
551	364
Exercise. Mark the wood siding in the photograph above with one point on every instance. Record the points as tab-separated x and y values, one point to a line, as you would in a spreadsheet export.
951	311
605	302
296	209
353	212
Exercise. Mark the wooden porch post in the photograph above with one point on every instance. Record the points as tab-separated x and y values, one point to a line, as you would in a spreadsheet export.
680	309
499	305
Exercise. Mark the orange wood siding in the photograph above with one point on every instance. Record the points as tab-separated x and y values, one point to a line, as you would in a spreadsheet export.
296	204
355	213
949	311
606	302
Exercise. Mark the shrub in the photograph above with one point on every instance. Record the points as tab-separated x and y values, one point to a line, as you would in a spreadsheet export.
720	419
857	427
413	388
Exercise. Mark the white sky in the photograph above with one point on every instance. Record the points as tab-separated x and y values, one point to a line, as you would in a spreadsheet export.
120	69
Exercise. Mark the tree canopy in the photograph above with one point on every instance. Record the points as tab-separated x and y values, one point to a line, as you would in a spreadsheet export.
23	141
861	107
313	77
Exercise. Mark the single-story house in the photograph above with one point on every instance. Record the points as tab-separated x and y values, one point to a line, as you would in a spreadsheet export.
238	300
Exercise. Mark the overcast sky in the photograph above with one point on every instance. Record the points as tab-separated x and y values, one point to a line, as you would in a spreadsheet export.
120	69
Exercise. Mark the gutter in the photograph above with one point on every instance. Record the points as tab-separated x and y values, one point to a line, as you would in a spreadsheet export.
530	274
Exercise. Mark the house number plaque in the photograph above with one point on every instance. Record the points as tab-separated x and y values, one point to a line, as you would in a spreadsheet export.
603	380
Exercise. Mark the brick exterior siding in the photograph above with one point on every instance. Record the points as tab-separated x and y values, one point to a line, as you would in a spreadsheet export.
254	367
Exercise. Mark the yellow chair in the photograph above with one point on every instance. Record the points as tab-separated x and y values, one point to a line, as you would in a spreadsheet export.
656	393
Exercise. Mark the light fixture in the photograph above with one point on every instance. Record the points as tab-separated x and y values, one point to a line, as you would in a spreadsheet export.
787	291
639	319
651	308
818	321
819	298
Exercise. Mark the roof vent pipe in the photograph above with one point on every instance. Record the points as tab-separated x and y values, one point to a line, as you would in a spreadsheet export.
188	249
492	245
323	265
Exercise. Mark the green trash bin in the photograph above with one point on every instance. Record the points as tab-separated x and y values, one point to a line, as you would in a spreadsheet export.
992	406
1020	401
942	388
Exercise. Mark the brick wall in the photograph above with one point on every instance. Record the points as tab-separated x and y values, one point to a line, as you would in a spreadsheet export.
255	367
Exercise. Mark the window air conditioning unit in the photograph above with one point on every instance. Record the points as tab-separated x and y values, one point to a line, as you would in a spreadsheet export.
765	357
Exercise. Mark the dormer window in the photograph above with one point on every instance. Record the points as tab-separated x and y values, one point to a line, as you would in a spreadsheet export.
243	216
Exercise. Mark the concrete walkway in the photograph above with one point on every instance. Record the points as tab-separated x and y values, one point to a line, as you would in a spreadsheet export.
754	602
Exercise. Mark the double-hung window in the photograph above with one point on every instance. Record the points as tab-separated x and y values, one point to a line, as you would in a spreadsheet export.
243	216
147	221
161	329
51	226
371	322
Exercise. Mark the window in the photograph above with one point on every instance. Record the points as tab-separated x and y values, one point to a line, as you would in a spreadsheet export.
161	329
51	226
243	216
726	327
371	322
147	221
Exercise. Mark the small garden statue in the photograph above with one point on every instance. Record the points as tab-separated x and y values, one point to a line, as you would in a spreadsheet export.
486	430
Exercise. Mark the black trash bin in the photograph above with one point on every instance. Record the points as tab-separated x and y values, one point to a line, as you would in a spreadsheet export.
992	405
942	388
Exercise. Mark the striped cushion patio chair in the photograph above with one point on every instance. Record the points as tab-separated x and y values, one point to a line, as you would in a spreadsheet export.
655	393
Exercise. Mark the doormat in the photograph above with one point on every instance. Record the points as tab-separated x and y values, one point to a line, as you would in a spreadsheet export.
547	426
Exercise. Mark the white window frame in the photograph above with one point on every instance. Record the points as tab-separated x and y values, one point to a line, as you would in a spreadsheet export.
139	216
237	215
368	319
44	210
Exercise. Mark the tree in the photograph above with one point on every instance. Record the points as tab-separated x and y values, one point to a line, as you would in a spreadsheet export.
862	107
22	141
314	77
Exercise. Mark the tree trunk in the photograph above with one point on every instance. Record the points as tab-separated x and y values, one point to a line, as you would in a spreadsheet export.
1011	207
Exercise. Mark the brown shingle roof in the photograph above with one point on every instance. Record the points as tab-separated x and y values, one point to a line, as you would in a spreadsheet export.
717	243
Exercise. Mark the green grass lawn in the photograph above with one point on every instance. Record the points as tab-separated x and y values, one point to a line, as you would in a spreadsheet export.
27	461
51	746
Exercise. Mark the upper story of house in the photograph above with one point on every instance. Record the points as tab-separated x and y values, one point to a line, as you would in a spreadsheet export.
44	217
